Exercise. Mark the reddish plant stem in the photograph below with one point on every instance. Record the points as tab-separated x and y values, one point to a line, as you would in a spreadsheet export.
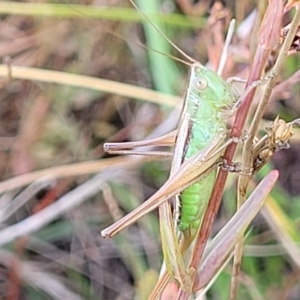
14	282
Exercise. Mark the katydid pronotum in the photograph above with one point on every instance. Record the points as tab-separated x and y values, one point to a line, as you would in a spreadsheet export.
199	144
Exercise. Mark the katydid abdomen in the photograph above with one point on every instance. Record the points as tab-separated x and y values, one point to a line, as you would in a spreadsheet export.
193	202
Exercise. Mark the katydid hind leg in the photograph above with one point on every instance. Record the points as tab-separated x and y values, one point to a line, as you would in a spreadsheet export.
163	154
173	255
188	173
165	140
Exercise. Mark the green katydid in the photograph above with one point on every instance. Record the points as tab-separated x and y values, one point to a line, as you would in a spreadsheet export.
197	151
200	140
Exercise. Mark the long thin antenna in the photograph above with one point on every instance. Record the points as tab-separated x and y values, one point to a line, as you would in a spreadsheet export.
225	48
136	42
160	32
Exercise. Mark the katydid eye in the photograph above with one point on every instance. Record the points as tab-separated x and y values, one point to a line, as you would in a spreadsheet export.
200	83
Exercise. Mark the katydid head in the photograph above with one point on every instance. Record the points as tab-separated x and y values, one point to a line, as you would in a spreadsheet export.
210	87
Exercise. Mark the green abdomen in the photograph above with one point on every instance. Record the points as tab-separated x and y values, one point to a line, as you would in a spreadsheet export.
194	199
